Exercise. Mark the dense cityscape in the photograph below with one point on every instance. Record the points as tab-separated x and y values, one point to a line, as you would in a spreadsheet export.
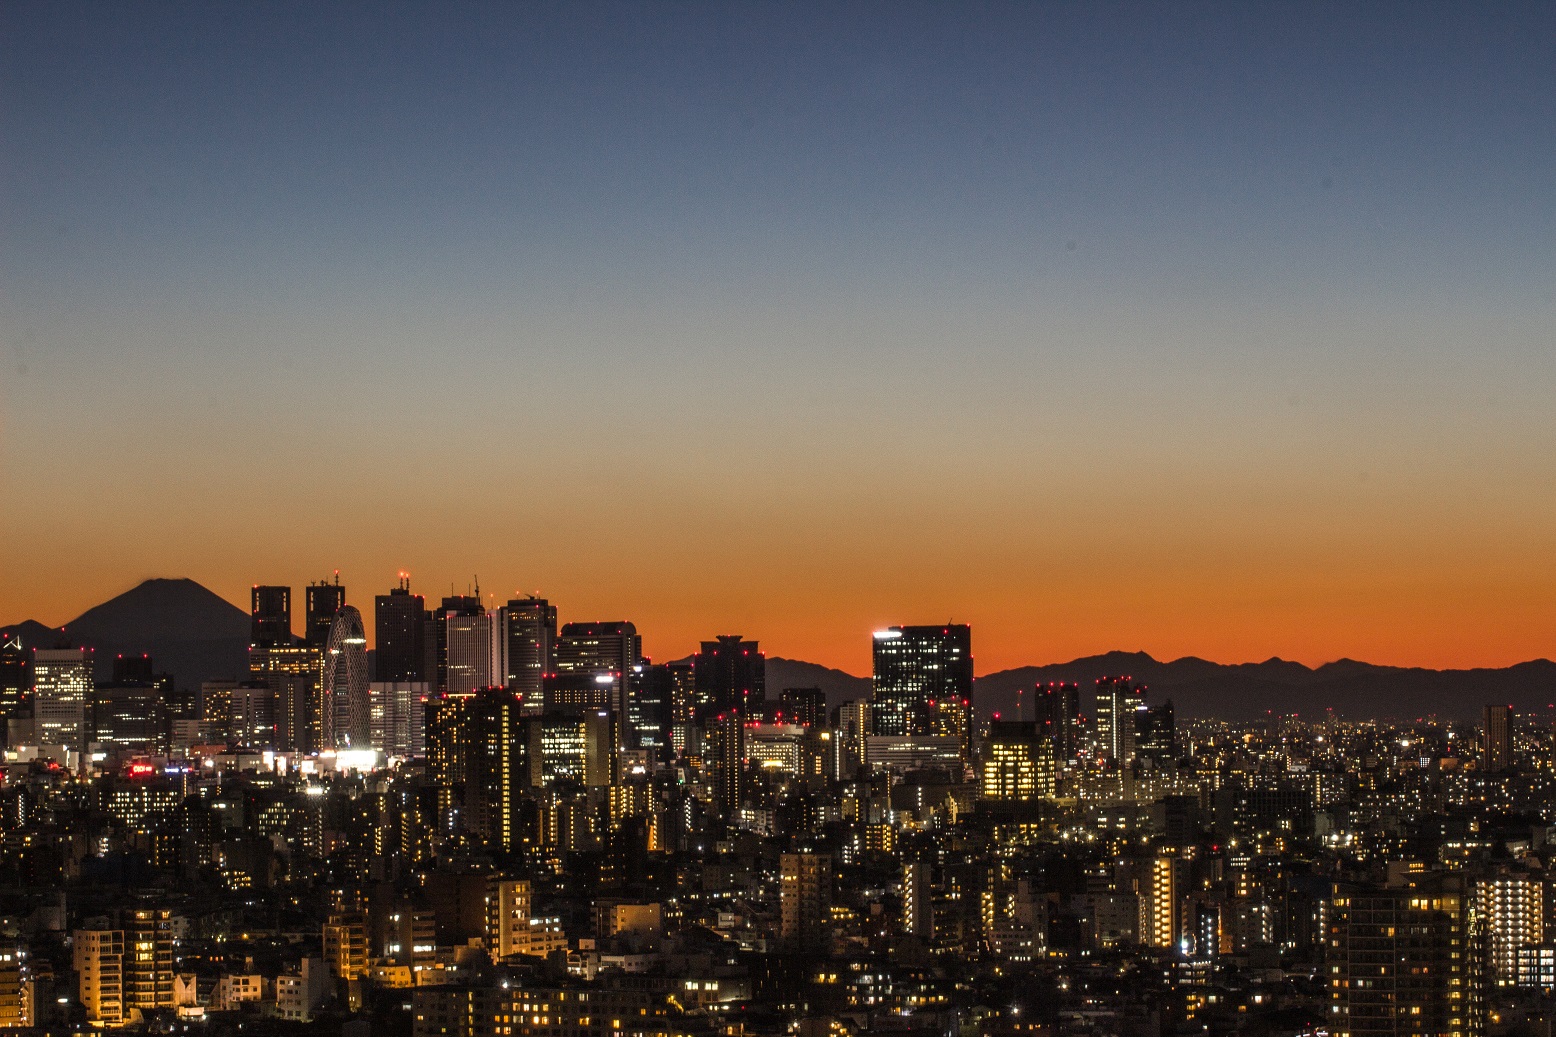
498	823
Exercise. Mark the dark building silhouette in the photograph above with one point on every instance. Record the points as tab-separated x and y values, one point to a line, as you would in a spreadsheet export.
270	617
529	625
650	694
14	679
400	625
600	651
804	706
1056	707
730	676
323	601
1496	738
1156	735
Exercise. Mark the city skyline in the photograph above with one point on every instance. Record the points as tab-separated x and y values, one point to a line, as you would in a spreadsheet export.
1170	328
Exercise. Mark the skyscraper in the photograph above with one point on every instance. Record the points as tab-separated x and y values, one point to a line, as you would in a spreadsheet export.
323	601
1057	711
598	650
14	684
804	706
1496	738
294	674
650	690
923	682
400	621
345	715
463	605
270	617
396	706
529	627
1118	699
730	676
472	651
1156	735
61	689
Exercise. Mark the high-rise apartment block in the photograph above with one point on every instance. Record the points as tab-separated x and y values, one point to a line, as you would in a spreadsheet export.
1496	738
1405	959
805	900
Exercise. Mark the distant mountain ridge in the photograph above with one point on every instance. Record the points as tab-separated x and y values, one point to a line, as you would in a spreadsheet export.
196	635
188	631
1247	691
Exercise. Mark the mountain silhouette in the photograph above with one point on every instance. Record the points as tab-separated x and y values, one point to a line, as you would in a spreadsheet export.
1248	691
837	685
187	630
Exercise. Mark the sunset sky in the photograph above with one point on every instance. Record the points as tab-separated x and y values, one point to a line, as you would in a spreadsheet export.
1225	330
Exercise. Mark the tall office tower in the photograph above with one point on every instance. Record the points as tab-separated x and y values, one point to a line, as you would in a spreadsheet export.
397	717
1496	738
470	655
1118	699
400	635
270	617
529	627
99	967
14	683
461	605
1404	959
731	677
923	682
252	715
1511	909
324	600
1156	735
294	674
129	716
1163	884
1018	762
1056	707
805	900
61	689
345	715
599	649
804	706
574	749
650	691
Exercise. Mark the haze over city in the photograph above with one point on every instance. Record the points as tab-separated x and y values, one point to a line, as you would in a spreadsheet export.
1196	330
